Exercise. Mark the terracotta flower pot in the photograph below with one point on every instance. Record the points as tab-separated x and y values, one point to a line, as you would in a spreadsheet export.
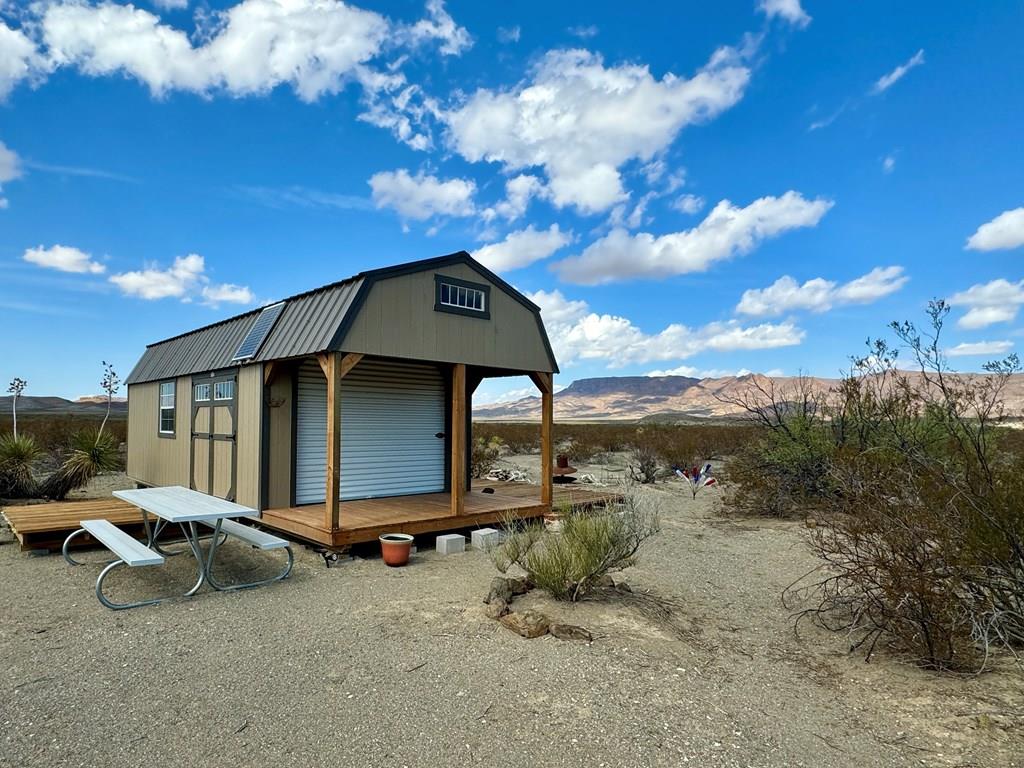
395	548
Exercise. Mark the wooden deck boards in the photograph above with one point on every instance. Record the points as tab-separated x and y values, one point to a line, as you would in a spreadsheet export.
45	526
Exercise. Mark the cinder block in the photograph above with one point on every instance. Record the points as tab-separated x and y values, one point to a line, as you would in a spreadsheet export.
450	544
486	538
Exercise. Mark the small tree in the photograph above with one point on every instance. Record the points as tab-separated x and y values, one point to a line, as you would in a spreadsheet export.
111	383
16	387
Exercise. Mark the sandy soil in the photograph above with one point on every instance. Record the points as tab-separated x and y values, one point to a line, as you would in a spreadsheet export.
363	665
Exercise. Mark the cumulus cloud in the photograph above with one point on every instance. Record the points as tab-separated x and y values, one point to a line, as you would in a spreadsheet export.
709	373
19	59
519	191
10	169
314	46
820	295
980	348
788	10
63	258
581	121
422	196
1004	231
577	333
989	303
726	232
171	5
688	204
887	81
185	279
522	248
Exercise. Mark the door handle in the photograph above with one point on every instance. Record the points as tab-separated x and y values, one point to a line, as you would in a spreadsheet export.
439	435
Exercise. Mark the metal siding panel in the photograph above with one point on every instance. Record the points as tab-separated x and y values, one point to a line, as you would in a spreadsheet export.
311	435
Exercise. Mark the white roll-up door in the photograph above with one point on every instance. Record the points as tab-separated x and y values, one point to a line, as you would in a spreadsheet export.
310	435
391	414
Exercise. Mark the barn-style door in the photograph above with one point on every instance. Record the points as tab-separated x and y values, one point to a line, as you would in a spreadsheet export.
214	427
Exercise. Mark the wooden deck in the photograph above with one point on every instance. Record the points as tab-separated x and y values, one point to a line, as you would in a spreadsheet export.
365	520
45	526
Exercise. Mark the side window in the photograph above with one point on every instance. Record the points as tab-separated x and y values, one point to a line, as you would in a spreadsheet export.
166	408
224	390
202	393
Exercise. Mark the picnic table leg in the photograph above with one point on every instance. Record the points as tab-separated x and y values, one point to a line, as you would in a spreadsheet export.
192	536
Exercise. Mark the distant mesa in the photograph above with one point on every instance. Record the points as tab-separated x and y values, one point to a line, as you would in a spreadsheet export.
91	405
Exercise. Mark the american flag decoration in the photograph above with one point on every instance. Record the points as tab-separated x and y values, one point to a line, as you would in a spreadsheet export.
697	478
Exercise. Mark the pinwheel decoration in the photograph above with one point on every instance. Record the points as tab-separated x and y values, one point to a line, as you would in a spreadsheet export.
697	478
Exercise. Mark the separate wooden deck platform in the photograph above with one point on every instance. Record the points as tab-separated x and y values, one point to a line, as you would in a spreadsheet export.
365	520
45	526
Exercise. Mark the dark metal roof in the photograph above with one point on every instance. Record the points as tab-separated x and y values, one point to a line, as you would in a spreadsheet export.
314	321
306	326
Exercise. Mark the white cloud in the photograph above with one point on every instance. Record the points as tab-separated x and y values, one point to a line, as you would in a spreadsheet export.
980	348
185	279
888	163
509	34
63	258
710	373
421	196
724	233
171	5
19	59
1004	231
578	334
10	169
788	10
989	303
522	248
519	191
885	82
440	26
315	46
688	204
584	31
580	120
820	295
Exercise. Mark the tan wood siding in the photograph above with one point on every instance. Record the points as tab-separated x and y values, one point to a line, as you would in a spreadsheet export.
279	470
398	320
152	459
249	409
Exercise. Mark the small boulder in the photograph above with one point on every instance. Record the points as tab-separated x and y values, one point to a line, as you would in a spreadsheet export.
496	609
529	624
570	632
623	587
521	585
501	589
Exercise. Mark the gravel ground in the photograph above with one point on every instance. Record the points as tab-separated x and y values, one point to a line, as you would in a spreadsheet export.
363	665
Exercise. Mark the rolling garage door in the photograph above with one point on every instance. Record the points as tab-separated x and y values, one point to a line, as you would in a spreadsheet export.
391	414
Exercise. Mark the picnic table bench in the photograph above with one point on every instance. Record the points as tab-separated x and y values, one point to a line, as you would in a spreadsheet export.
185	508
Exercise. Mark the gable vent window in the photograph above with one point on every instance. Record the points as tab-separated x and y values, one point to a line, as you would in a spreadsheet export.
258	333
461	297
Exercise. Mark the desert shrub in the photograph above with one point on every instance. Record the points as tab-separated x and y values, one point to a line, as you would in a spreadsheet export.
54	433
18	456
921	530
569	563
91	453
643	464
579	450
484	455
519	438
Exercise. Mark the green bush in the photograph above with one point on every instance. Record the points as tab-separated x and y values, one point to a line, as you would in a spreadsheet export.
91	453
569	563
18	456
484	455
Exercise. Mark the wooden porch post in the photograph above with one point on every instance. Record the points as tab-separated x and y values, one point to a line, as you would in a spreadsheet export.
335	366
458	428
545	384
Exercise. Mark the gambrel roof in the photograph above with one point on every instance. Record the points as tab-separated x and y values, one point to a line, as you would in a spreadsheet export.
311	322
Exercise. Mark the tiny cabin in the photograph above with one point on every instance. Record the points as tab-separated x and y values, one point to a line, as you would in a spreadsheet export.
345	411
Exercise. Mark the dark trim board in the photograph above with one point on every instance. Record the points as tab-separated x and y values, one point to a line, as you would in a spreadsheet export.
439	280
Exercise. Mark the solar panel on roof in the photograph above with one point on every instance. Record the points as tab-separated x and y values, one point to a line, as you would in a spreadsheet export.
258	333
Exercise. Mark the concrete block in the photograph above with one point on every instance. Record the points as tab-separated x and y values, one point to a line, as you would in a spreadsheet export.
450	544
486	538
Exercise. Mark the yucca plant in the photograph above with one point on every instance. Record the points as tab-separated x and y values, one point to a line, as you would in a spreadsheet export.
92	452
18	454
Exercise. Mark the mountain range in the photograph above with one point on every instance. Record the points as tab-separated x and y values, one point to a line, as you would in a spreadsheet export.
92	405
630	398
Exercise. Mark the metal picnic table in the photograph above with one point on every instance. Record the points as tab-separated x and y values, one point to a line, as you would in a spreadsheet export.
187	509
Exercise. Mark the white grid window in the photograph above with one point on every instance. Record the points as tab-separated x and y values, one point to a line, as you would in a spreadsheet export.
202	393
223	390
463	298
166	407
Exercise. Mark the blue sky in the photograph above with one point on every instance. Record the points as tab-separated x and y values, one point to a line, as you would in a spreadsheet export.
694	187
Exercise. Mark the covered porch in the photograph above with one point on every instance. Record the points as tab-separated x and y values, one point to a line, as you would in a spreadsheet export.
338	521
